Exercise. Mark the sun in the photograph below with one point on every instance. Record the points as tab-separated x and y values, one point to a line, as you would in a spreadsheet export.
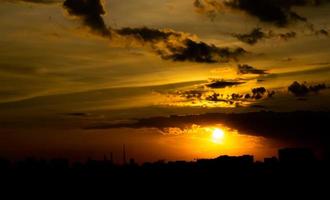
218	135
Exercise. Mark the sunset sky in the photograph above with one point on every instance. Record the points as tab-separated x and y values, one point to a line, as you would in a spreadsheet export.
76	74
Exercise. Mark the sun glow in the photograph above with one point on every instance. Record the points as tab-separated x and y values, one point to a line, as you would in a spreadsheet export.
212	140
218	135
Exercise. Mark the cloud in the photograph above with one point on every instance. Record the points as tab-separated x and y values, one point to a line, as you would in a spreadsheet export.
258	93
169	44
302	89
90	12
257	34
78	114
204	53
179	46
287	36
322	32
277	12
247	69
148	34
302	126
191	94
223	84
251	38
216	97
208	7
209	95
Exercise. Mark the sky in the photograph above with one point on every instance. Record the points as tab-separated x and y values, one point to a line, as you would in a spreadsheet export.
76	74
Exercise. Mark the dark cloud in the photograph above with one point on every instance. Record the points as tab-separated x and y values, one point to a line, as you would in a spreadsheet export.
223	84
322	32
277	12
78	114
316	31
258	93
247	69
169	44
178	46
90	12
302	126
215	97
209	95
147	34
298	89
203	53
257	34
287	36
302	89
251	38
317	88
191	94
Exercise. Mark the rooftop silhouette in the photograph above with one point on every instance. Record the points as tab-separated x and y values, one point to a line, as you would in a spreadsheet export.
291	163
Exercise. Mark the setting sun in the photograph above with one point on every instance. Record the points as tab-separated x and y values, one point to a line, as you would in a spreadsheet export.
218	135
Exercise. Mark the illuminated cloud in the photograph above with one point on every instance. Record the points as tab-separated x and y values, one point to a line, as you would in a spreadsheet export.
206	96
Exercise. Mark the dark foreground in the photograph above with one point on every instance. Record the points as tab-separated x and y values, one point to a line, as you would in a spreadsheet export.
293	169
